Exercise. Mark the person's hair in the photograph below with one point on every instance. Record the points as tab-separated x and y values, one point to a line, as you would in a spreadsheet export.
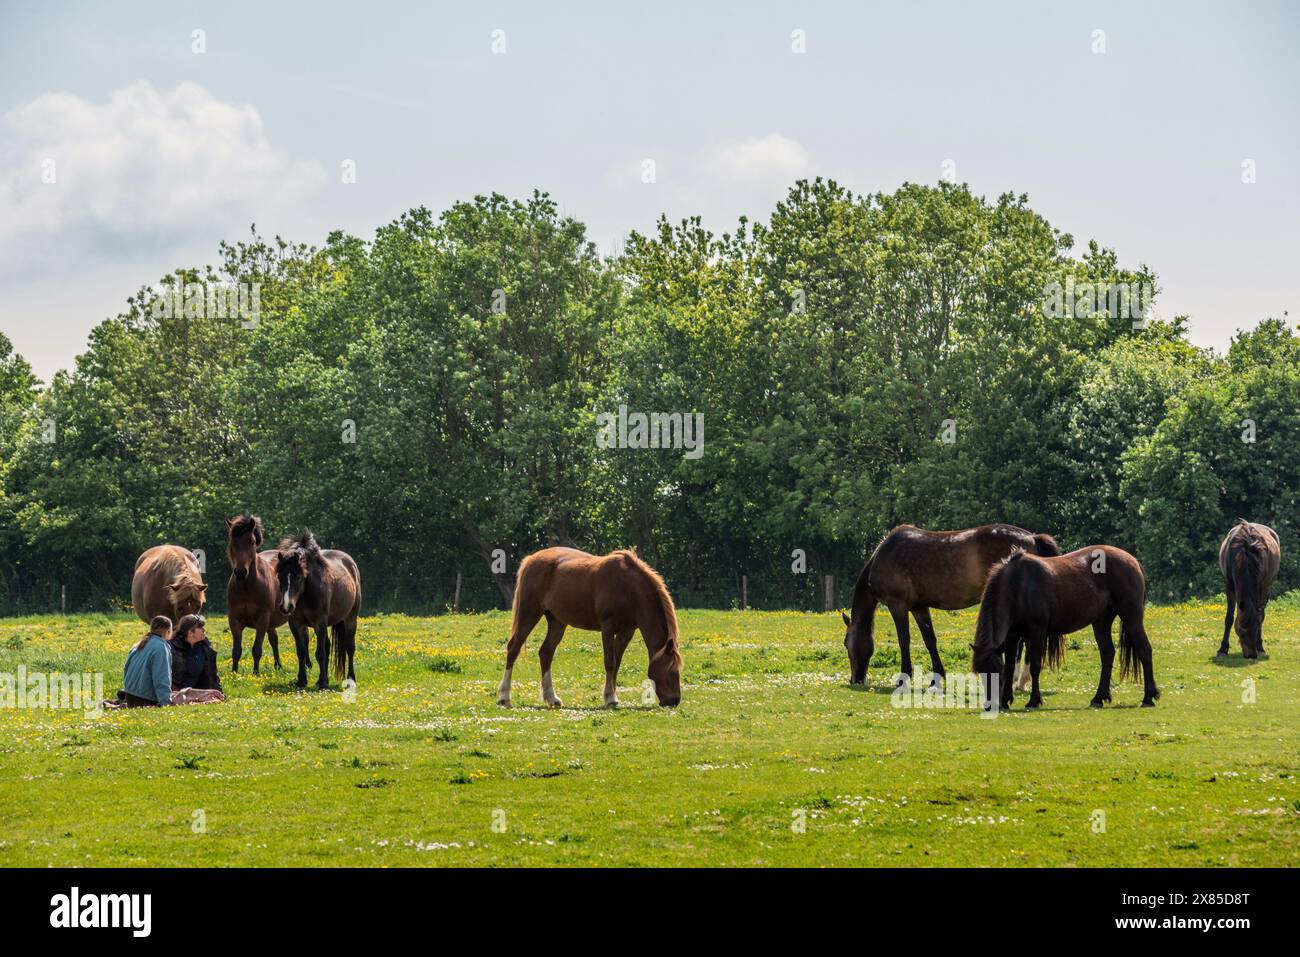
188	624
160	626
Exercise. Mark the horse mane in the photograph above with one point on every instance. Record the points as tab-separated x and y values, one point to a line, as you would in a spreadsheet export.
1252	542
664	600
248	524
304	543
987	622
1045	545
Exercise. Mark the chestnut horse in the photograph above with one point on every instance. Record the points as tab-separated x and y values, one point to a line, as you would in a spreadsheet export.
167	581
1249	557
320	588
615	595
253	594
914	570
1040	600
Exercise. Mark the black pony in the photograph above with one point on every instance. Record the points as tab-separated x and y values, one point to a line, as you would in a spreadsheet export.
1040	600
1249	557
319	589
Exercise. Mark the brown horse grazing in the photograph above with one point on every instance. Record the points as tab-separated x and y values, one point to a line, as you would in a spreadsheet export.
253	594
1040	600
167	581
320	588
1249	558
914	570
615	595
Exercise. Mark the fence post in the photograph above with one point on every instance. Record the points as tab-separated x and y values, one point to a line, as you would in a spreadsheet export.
63	599
744	592
830	592
455	602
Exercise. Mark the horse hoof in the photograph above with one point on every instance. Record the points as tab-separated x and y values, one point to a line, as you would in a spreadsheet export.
1033	704
554	703
1221	654
1096	703
1148	703
503	702
612	704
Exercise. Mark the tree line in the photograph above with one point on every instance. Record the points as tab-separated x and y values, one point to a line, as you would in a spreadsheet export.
431	399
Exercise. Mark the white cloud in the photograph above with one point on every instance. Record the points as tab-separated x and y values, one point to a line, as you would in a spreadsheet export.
144	169
757	162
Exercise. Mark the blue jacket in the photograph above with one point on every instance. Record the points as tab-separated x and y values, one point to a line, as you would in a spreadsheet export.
148	672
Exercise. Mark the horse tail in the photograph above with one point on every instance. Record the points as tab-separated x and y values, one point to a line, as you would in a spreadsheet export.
343	639
1127	654
1055	651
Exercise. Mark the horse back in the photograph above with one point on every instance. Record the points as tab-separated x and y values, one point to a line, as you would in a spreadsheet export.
942	569
342	580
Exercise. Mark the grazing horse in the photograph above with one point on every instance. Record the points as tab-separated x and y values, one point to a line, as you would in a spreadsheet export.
253	595
615	595
1249	558
914	570
320	588
1040	600
167	581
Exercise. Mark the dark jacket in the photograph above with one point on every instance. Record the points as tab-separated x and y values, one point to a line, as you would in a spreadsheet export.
181	650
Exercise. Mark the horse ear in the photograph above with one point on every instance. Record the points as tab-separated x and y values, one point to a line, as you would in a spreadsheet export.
972	647
230	523
171	586
202	589
846	618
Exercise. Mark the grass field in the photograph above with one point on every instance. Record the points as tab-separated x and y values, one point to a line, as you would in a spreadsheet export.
422	768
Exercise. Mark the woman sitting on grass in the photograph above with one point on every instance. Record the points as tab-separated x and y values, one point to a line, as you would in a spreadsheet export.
194	674
147	678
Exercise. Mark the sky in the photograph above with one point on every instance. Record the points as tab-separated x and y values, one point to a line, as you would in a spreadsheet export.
1136	124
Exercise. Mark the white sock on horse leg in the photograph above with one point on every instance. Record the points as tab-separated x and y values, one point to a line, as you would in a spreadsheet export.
503	690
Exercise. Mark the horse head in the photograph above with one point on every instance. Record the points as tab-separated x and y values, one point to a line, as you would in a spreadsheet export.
295	562
186	592
244	536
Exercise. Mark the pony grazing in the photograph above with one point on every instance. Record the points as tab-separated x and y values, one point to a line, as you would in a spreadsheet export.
914	570
615	595
320	588
1039	601
1249	557
167	581
253	594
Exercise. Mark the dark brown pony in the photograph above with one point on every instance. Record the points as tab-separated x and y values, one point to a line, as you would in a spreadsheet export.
253	594
1040	600
914	570
320	588
615	595
1249	557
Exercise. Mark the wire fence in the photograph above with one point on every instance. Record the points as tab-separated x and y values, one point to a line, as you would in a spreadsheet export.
471	590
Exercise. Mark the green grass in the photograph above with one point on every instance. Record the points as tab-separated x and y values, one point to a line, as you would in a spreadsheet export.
423	768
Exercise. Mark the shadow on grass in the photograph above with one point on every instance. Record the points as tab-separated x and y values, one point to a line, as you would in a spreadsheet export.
1236	660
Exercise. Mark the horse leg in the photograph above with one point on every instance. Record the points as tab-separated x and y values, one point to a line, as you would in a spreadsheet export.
275	646
1010	651
257	648
525	621
615	644
922	616
1227	623
1105	648
350	627
1137	634
554	632
236	644
300	639
899	614
323	655
1034	658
